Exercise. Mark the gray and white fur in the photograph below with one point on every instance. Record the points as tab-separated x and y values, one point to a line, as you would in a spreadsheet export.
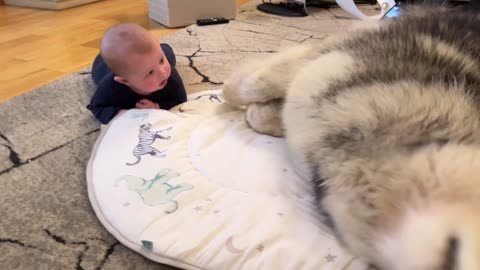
385	121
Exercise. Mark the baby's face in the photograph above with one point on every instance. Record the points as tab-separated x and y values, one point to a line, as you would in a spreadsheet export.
151	73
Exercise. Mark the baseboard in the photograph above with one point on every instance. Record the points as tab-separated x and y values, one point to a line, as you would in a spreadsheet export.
48	4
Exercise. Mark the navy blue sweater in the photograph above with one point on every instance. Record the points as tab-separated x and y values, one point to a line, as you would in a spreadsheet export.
111	96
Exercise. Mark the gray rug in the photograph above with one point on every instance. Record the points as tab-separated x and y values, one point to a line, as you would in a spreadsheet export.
46	137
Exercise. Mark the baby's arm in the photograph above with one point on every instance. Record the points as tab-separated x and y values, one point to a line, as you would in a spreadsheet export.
146	104
101	108
103	114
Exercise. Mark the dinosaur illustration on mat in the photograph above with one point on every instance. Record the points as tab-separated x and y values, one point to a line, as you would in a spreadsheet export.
156	191
146	137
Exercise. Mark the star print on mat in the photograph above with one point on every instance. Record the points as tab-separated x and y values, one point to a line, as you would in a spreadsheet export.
330	258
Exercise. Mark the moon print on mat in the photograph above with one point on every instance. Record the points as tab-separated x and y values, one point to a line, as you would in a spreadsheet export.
230	247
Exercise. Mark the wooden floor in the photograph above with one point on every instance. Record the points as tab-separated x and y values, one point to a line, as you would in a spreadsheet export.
40	46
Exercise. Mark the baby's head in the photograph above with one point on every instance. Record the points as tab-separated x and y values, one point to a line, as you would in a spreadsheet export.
135	57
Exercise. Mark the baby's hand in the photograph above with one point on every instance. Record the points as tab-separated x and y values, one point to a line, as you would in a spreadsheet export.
146	104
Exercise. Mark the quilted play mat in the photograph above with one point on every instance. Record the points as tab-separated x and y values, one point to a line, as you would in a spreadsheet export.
196	188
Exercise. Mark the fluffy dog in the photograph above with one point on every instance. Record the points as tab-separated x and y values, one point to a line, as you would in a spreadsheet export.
385	122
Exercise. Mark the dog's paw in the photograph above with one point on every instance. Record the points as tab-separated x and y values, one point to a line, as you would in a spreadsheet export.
265	118
243	86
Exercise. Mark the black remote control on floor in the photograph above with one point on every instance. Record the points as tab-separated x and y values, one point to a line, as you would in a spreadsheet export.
212	21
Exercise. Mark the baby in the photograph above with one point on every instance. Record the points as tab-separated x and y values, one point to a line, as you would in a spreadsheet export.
134	71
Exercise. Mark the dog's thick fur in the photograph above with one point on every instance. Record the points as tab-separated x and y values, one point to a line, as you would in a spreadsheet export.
386	124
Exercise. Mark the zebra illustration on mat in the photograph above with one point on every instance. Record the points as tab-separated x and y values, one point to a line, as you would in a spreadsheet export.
146	137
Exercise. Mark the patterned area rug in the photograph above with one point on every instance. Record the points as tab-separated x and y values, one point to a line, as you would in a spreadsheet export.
46	137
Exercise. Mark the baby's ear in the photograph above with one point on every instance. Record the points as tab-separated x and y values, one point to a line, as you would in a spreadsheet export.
120	80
